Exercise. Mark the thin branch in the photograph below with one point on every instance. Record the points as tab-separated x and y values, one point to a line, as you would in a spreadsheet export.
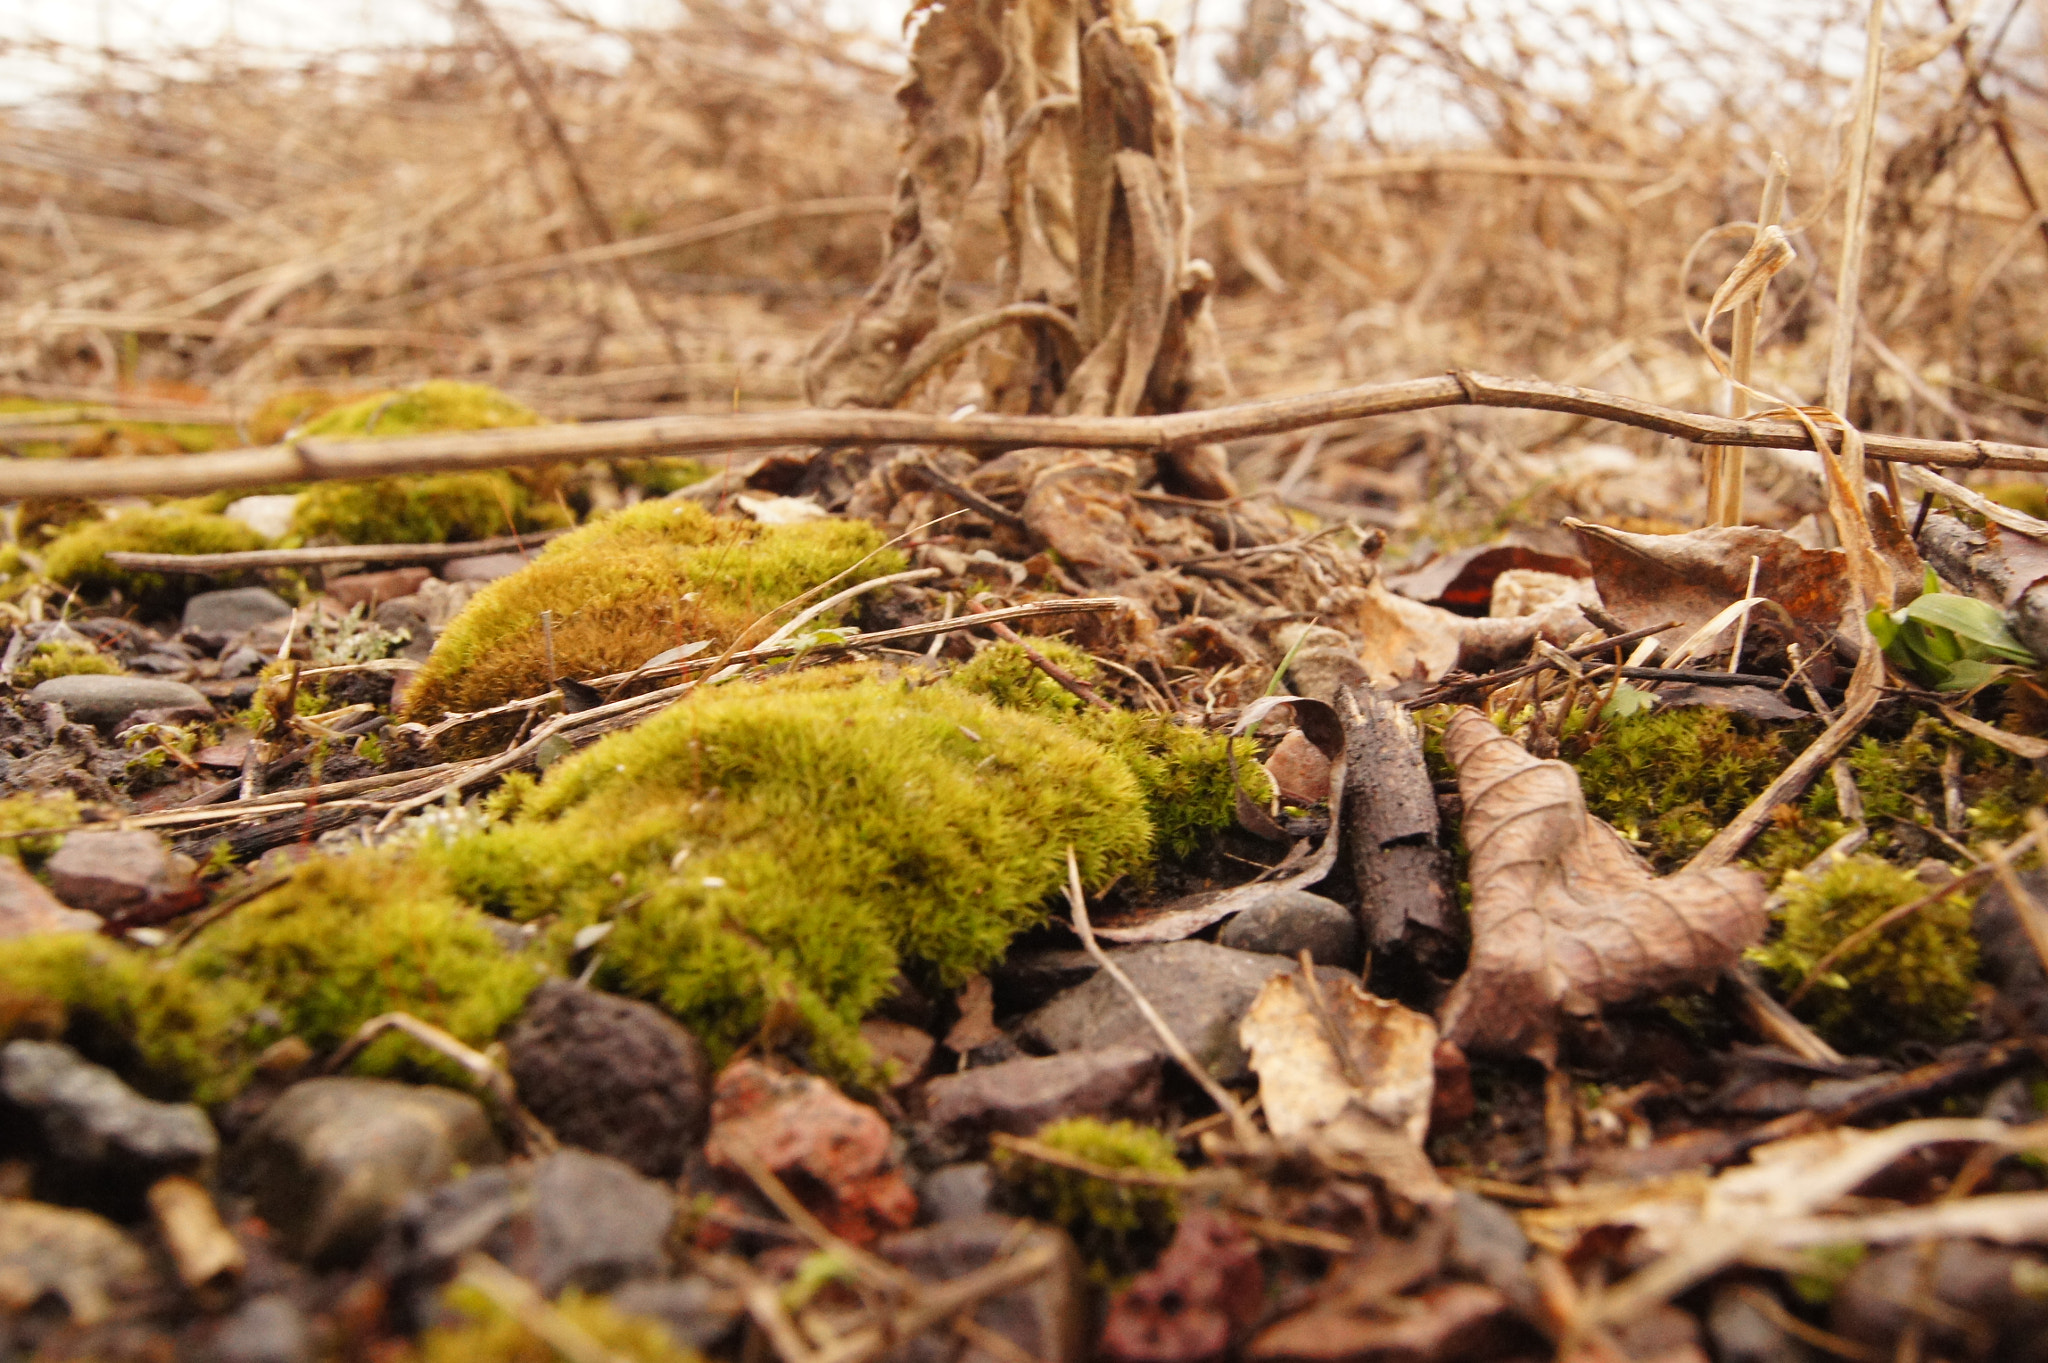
396	554
316	460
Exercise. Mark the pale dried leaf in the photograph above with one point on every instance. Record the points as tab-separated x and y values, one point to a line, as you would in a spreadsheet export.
1565	916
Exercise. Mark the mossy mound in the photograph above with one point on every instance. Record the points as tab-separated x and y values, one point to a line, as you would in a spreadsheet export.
1911	982
64	659
785	846
485	1333
45	809
1184	772
78	559
435	509
1117	1224
623	589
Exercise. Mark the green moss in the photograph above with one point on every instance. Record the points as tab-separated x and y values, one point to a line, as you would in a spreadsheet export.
64	659
1116	1224
20	813
1184	772
624	589
78	558
285	413
347	938
792	842
487	1334
2031	498
140	1013
1672	779
437	405
1910	982
659	477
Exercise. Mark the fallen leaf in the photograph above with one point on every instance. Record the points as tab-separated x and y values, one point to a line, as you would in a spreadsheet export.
1693	577
1565	916
977	1025
1347	1076
1409	642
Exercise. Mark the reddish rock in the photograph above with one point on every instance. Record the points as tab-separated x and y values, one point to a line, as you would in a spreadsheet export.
125	876
26	908
1204	1294
833	1153
367	589
1301	771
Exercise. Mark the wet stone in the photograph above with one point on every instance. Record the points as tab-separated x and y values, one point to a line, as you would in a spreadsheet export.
612	1075
1289	922
1200	989
218	616
129	876
105	702
1020	1096
333	1159
104	1143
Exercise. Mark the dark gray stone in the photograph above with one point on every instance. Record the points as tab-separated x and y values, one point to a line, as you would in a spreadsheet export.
611	1075
1046	1319
97	1124
265	1329
954	1192
221	615
1200	989
333	1159
1020	1096
1288	922
1741	1331
573	1219
104	702
697	1313
1487	1243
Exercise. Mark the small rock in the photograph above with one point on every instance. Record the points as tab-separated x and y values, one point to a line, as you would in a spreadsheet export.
1045	1319
1987	1309
1320	673
696	1312
612	1075
1487	1243
129	876
483	567
908	1049
268	514
219	616
87	1263
1300	770
1200	989
106	1143
368	589
241	662
105	702
954	1192
2008	958
229	754
1741	1331
1020	1096
178	716
573	1219
332	1159
26	908
837	1154
1203	1296
1289	922
265	1329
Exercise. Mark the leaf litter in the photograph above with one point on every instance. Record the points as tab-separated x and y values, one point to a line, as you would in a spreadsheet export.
1547	1106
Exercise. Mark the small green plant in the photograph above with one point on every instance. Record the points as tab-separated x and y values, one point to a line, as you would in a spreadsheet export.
64	658
1949	642
78	559
1118	1223
1910	982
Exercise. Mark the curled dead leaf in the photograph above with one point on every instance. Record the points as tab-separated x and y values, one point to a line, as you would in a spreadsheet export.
1693	577
1565	916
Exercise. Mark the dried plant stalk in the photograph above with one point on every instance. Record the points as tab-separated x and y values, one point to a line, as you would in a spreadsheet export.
1725	463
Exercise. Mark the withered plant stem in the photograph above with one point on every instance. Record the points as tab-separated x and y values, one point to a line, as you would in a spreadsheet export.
321	555
1855	228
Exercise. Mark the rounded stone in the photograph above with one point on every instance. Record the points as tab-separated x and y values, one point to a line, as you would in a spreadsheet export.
104	701
1288	922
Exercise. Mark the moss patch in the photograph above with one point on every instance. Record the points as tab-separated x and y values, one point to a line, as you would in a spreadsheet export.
784	846
64	659
624	589
486	1334
1117	1225
21	813
1909	982
78	558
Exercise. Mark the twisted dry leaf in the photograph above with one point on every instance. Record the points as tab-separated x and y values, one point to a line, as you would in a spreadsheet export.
1566	917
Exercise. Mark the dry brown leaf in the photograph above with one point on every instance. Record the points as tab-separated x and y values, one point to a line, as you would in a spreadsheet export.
977	1025
1407	641
1566	917
1348	1076
1690	578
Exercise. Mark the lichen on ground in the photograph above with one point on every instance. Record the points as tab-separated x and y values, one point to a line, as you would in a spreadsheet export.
1911	982
77	559
788	845
624	588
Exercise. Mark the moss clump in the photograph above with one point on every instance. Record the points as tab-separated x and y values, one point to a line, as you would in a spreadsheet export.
1184	772
624	589
286	413
1672	779
78	558
788	844
21	813
167	1032
1117	1224
348	938
1910	982
64	659
437	509
486	1334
